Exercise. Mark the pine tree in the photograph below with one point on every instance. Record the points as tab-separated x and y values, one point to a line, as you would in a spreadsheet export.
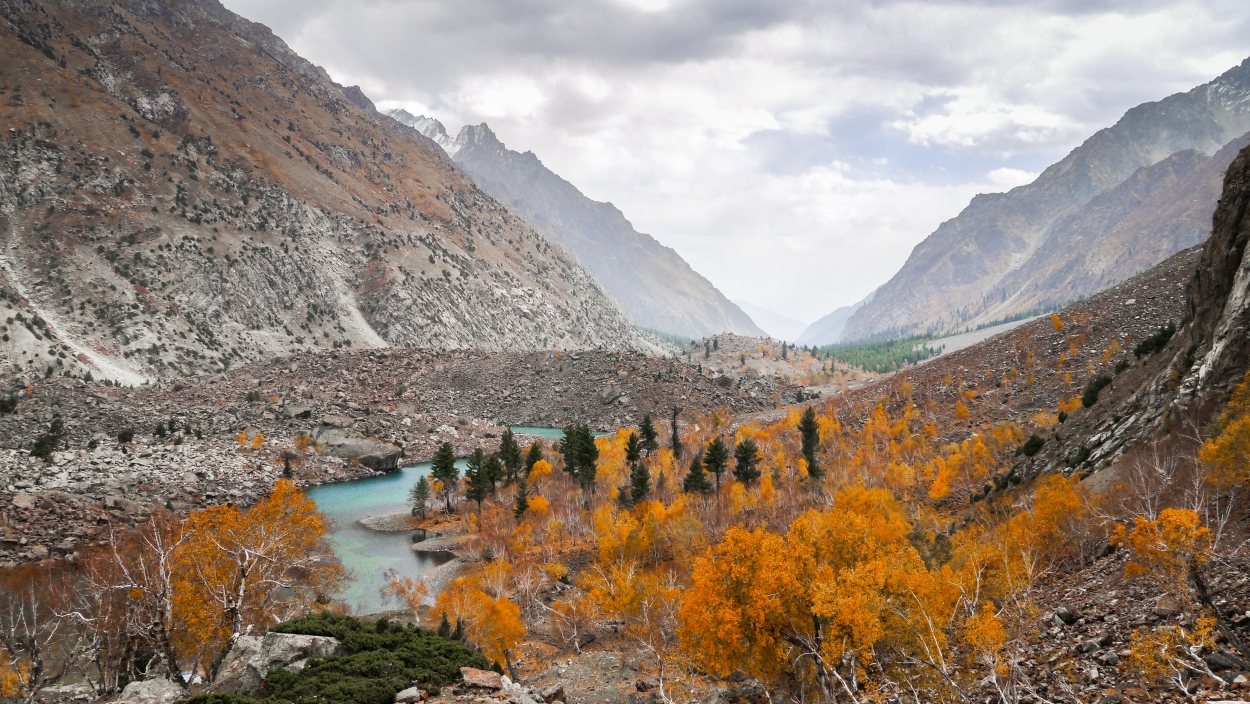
647	429
510	453
639	482
493	471
522	503
716	343
633	451
676	434
716	459
783	350
534	456
809	429
746	456
476	483
418	495
287	472
444	627
443	469
580	455
696	481
707	350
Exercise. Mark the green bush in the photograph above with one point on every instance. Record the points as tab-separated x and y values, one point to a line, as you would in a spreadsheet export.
1155	342
382	659
1032	446
1093	388
126	435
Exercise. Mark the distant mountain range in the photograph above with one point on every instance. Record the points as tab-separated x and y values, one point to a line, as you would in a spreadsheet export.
651	283
775	324
828	329
1124	200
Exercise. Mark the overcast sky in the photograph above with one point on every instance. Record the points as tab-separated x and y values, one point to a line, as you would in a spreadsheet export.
792	152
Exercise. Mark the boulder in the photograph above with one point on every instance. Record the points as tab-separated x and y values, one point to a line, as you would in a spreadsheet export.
151	692
409	696
554	693
251	658
297	411
483	679
351	444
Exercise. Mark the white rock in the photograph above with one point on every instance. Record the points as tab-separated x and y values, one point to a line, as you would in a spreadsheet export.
151	692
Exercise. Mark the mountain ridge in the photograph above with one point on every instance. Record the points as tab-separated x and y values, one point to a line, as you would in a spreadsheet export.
940	286
652	283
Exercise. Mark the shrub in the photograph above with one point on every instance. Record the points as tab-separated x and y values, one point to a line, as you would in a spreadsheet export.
253	397
160	430
8	405
1121	365
1155	342
1090	397
1079	458
127	435
1032	446
382	659
1063	415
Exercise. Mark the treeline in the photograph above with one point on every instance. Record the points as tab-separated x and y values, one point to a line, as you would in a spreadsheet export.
883	357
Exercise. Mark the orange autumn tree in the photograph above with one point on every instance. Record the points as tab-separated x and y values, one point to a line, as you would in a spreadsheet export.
246	570
492	623
843	595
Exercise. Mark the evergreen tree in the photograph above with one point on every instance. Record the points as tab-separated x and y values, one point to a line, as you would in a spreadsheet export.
534	456
809	429
444	627
418	495
444	470
639	482
522	500
633	450
647	430
476	483
510	453
287	472
746	456
783	350
716	459
696	481
580	455
716	343
707	350
493	470
676	434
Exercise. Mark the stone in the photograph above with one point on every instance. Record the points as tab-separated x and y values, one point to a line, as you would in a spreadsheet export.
410	695
554	693
160	691
483	679
1092	675
351	444
297	411
744	691
24	501
252	658
1219	661
1110	658
1067	615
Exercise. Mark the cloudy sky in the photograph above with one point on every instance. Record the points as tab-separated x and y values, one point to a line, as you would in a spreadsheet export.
792	152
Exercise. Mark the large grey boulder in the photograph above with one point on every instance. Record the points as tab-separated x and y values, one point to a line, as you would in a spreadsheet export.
151	692
351	444
251	658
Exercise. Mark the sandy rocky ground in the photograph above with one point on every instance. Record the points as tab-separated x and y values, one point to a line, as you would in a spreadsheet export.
415	399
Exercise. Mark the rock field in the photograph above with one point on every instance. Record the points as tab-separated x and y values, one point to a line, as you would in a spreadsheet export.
381	401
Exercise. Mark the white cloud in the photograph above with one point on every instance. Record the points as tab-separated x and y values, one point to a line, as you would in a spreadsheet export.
884	118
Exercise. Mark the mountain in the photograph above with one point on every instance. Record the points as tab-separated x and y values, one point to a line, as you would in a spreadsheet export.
962	274
655	287
180	193
773	323
828	329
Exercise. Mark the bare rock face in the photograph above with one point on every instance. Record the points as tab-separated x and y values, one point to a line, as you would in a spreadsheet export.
252	658
351	444
1219	296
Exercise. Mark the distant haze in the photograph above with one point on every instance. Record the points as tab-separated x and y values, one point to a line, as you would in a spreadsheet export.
775	324
792	152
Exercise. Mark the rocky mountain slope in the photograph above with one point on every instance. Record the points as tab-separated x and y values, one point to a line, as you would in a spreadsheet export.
828	329
651	282
1008	251
179	193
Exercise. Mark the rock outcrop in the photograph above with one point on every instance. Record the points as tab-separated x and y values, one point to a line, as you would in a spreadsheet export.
251	658
1219	296
351	444
156	691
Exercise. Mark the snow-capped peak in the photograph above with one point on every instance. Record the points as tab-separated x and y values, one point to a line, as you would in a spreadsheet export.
427	126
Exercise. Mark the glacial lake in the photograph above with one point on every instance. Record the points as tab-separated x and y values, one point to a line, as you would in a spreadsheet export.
369	553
